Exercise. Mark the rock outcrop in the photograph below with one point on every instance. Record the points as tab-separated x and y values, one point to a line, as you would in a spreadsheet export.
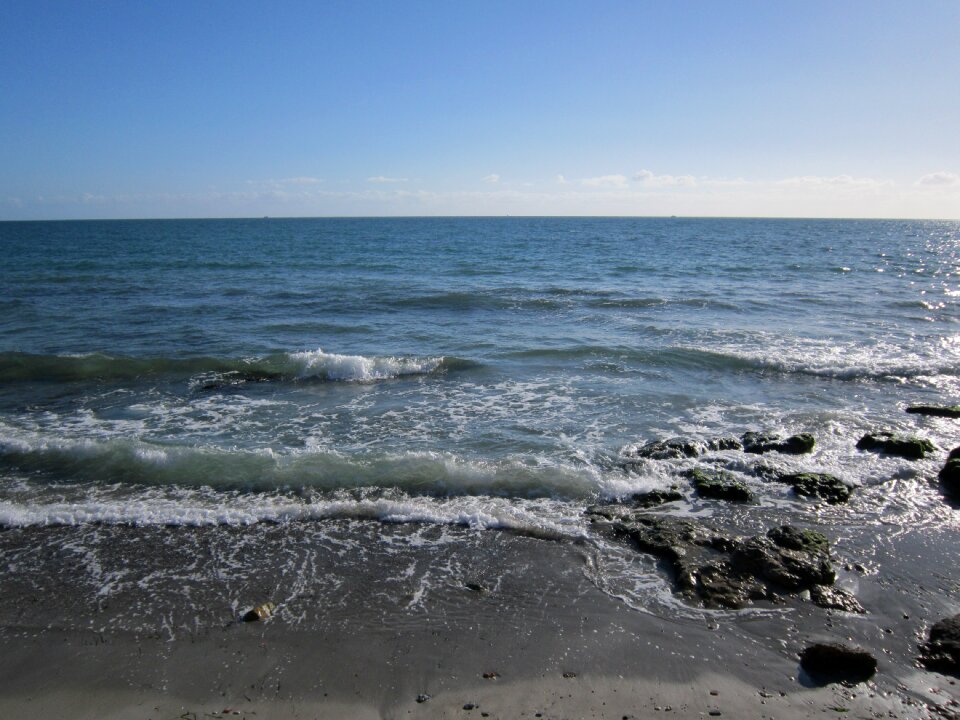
888	443
719	485
947	411
942	651
833	662
758	443
720	571
950	474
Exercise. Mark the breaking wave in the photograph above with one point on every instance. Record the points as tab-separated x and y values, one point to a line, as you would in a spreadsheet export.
49	458
212	371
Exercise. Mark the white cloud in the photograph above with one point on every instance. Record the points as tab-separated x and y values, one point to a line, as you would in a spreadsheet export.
383	179
941	179
613	181
561	180
834	181
492	178
300	181
649	179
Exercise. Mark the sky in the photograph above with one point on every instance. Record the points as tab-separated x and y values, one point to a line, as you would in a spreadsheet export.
243	109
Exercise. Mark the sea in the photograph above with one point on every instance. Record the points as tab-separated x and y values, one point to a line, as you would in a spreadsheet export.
385	382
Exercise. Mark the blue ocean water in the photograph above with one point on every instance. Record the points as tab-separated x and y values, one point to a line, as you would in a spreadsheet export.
488	372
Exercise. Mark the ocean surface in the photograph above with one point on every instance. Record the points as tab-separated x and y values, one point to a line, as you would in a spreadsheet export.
473	375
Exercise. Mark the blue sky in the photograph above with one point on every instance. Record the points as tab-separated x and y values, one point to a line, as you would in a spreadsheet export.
221	109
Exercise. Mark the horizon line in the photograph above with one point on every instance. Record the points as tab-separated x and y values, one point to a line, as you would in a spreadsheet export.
482	217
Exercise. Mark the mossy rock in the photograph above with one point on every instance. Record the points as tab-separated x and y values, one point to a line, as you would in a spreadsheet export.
791	538
719	485
947	411
908	447
818	485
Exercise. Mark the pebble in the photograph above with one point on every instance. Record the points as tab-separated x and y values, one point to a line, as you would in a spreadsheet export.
422	698
470	706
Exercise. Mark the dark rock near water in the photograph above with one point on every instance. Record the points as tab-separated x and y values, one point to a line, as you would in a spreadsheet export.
720	485
818	485
725	443
672	449
833	662
798	444
950	474
758	443
655	497
720	571
790	570
808	541
814	485
718	584
942	651
905	446
947	411
833	598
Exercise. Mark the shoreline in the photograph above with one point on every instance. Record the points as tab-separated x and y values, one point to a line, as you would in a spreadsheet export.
368	639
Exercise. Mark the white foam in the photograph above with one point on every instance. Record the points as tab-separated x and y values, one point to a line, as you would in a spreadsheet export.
845	360
541	518
359	368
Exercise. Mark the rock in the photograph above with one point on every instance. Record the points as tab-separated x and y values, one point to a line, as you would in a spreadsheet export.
950	473
672	449
833	662
725	443
798	444
720	485
719	571
835	599
791	538
423	697
818	485
905	446
717	584
655	497
942	651
790	570
758	443
606	512
260	612
947	411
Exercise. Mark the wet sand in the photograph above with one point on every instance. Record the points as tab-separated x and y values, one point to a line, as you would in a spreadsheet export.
122	622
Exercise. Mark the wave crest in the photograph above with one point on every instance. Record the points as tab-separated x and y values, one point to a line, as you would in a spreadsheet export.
210	372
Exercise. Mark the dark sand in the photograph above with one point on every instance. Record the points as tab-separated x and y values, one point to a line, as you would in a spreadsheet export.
120	622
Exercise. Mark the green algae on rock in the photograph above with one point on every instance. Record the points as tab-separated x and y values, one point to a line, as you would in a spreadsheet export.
719	485
909	447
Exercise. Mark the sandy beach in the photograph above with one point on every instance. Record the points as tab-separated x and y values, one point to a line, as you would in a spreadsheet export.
517	630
